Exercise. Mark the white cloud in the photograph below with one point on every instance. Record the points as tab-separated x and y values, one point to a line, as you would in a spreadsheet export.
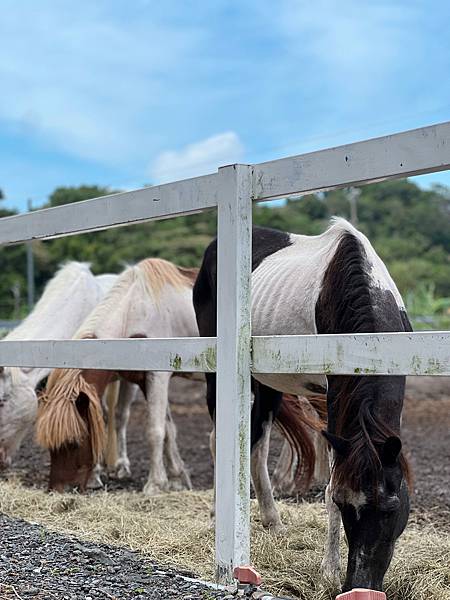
199	158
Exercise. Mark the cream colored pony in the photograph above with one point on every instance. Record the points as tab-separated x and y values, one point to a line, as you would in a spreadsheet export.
66	301
152	299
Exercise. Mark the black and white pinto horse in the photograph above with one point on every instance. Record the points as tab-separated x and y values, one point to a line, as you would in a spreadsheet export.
331	283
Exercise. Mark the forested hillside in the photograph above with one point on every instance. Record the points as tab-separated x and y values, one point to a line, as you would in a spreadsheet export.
409	227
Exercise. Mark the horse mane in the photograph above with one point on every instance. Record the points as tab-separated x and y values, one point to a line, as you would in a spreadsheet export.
59	422
344	306
151	274
65	278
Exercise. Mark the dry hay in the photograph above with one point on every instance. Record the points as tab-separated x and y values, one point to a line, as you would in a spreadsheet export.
174	529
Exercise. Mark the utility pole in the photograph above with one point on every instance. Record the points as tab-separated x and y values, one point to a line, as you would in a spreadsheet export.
30	270
353	195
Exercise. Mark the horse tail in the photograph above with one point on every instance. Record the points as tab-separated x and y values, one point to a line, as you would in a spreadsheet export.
297	423
59	422
111	397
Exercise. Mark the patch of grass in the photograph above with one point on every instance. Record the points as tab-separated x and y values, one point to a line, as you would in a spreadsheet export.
174	529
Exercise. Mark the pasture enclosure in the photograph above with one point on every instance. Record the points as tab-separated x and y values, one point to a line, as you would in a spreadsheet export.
234	354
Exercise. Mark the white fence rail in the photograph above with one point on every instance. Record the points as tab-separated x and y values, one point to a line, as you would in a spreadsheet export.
232	190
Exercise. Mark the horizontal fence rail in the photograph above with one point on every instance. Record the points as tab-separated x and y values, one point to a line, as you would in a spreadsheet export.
425	353
400	155
421	353
137	354
169	200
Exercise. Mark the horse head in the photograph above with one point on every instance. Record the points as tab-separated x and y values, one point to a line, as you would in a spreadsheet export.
374	515
72	463
70	425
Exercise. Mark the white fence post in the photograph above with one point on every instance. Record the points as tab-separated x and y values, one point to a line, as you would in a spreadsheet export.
233	370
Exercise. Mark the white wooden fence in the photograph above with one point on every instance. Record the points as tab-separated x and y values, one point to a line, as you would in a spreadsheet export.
232	190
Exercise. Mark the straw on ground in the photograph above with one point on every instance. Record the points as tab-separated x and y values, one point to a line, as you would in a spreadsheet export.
174	529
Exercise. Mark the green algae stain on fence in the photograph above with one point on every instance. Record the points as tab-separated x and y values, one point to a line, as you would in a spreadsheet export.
206	359
176	362
434	367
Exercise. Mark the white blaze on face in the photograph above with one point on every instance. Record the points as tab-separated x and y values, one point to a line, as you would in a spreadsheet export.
349	496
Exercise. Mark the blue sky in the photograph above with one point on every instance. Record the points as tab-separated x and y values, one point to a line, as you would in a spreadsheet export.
129	93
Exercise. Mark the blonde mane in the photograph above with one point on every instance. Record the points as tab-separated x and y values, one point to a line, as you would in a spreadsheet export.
59	423
152	274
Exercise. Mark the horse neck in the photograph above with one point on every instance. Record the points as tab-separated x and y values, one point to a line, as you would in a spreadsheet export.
60	315
135	312
352	300
57	317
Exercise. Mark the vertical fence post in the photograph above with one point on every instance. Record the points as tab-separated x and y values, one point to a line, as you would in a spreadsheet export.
233	370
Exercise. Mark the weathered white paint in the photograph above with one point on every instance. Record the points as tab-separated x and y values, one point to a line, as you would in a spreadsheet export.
233	371
158	354
421	353
157	202
404	154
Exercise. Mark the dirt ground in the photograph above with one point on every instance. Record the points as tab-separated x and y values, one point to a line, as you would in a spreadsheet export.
426	435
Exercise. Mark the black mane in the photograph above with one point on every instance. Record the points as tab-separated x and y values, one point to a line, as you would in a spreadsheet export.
365	411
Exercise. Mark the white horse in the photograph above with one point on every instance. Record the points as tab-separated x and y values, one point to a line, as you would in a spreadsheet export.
66	301
152	299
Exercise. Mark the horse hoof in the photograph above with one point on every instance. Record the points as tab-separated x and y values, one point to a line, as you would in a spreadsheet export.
95	483
331	574
179	484
123	472
155	489
275	527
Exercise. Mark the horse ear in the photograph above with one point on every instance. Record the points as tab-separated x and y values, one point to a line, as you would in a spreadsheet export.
390	450
339	444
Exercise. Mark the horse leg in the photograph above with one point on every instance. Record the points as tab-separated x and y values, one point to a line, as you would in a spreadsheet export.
178	476
283	476
266	404
157	394
211	402
127	396
109	401
322	466
331	566
261	480
94	481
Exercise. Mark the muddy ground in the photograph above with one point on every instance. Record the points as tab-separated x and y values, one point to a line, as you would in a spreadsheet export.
426	435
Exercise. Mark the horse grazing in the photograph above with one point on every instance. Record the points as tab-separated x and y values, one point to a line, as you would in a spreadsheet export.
66	301
151	299
331	283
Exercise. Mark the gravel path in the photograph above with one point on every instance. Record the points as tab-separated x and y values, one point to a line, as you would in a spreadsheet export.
36	563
